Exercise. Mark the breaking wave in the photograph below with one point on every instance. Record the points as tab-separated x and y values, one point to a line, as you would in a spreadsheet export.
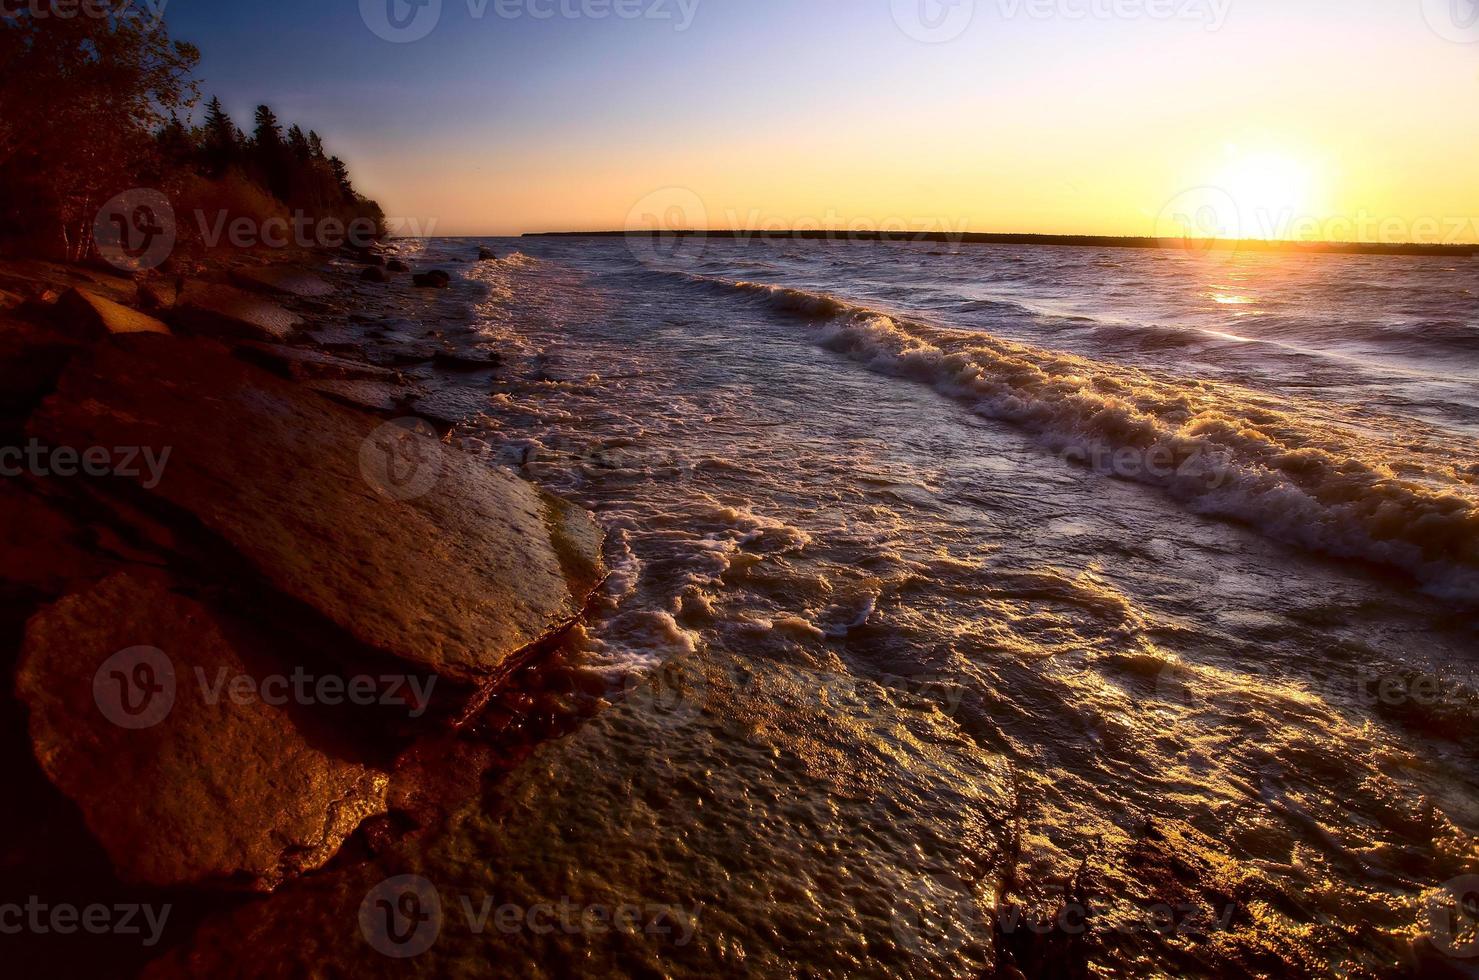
1307	473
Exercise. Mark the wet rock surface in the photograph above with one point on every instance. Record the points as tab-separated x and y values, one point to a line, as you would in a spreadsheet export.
215	310
178	789
282	280
408	546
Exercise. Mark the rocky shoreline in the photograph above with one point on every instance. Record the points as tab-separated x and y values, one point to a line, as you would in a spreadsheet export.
260	616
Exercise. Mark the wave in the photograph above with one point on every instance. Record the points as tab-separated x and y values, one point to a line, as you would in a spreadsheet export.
1303	472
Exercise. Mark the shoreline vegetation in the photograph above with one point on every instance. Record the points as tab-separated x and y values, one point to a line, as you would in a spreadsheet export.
259	617
1194	245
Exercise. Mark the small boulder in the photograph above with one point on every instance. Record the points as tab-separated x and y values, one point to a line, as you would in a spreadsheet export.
435	279
373	273
180	787
486	254
396	265
213	310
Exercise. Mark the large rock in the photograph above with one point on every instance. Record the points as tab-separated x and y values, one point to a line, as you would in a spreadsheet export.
31	358
180	787
407	545
282	280
88	316
215	310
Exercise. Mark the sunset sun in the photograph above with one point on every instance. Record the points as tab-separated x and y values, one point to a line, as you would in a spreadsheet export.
1271	191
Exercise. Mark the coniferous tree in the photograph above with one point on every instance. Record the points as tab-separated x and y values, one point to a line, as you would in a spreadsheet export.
220	141
341	178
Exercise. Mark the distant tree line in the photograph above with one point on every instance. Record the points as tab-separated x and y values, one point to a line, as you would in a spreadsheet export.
92	106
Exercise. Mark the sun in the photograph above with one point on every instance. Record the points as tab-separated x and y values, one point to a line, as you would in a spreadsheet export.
1272	192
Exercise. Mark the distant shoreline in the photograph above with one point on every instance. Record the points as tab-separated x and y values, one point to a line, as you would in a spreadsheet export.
1076	241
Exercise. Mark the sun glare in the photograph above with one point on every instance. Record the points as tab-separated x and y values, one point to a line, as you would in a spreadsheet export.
1271	192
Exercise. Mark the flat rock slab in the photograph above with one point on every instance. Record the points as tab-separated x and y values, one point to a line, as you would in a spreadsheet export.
215	310
177	789
282	280
88	316
306	363
408	545
372	396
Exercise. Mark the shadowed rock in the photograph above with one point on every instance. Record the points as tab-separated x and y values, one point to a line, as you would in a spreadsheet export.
373	273
214	310
177	789
88	316
435	279
31	358
486	254
396	265
406	544
282	280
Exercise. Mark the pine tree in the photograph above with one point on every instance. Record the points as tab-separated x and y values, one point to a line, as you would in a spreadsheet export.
298	144
268	135
341	177
315	146
221	141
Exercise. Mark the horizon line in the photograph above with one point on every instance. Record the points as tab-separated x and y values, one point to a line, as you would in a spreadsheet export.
1465	250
